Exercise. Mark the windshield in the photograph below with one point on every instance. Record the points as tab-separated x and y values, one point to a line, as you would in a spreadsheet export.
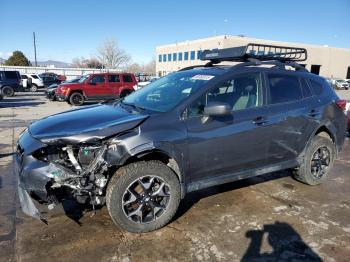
83	78
167	92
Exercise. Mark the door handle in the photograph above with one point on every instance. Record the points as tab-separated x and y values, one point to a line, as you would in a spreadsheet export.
260	121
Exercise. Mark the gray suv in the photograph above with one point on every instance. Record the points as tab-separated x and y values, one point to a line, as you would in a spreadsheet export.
199	127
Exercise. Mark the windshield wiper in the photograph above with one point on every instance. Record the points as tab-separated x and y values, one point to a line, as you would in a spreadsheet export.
133	105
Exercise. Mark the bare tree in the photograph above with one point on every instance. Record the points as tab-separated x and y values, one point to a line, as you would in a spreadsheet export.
111	56
150	68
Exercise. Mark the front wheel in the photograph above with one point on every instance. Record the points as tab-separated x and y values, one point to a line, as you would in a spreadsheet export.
76	99
143	196
318	161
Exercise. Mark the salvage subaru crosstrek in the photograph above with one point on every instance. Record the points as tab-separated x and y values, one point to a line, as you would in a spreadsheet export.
199	127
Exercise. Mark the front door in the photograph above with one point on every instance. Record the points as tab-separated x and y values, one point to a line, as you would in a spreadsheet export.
96	88
227	144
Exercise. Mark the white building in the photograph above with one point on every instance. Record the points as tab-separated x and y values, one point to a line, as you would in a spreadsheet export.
323	60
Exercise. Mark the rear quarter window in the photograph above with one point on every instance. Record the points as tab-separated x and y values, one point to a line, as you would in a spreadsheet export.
284	88
305	88
11	75
316	87
127	79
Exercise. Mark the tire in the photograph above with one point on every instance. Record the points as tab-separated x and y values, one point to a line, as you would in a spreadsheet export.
319	155
34	88
8	91
125	93
76	99
123	182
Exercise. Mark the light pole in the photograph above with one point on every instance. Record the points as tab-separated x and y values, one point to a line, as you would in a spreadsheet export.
36	63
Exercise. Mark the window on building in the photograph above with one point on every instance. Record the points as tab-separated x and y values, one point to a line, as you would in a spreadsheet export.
193	55
180	56
169	57
186	56
174	56
315	69
159	58
164	58
284	88
199	54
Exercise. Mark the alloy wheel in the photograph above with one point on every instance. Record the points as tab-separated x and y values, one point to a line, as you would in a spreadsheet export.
146	199
320	162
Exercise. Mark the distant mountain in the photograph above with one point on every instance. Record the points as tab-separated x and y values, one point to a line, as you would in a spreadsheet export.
51	63
44	63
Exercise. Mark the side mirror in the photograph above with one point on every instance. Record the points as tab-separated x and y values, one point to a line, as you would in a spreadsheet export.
217	109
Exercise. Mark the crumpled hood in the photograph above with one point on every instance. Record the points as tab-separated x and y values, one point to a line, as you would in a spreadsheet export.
86	124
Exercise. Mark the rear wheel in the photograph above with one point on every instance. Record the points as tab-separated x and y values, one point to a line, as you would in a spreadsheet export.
318	161
34	88
8	91
76	99
143	196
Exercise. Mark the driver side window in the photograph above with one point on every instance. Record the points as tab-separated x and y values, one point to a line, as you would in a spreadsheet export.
240	92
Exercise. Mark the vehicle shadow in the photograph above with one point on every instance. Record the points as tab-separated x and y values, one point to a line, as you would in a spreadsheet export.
193	197
19	102
286	244
6	155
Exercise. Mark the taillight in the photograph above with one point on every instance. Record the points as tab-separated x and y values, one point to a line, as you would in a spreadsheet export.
341	103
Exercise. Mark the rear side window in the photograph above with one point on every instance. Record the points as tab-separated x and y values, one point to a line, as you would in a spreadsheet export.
35	76
113	78
98	79
24	77
305	88
11	74
316	87
284	88
127	78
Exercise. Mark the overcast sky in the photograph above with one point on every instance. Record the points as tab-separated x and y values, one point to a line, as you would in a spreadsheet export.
68	29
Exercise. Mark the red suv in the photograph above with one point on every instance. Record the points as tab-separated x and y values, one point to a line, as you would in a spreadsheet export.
97	87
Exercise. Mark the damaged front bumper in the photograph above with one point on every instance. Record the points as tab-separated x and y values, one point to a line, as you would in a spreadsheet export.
32	179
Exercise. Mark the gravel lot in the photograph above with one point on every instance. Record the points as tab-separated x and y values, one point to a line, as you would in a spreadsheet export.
271	217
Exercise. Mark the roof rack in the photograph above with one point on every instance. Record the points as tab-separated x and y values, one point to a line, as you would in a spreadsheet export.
260	52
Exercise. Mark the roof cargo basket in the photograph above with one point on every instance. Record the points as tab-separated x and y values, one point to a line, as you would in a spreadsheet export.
255	51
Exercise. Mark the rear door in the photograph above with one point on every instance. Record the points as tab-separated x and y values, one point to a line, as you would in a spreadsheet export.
290	113
114	83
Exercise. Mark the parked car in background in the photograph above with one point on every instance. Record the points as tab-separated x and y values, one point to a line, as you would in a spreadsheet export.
97	87
51	90
49	74
50	78
34	84
144	83
341	84
10	82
